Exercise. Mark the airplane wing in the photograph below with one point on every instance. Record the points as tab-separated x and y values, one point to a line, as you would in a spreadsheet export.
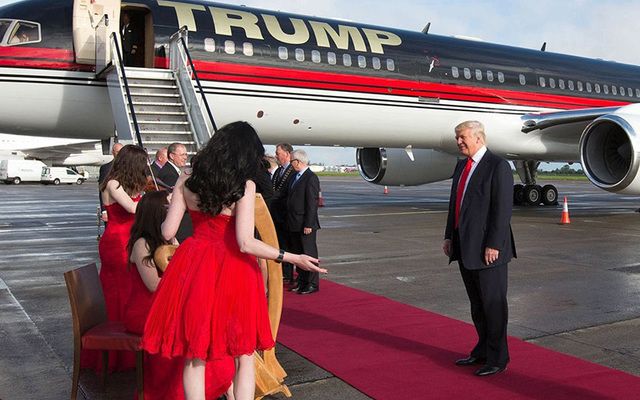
532	122
82	153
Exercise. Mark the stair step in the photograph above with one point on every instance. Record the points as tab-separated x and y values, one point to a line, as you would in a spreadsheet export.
157	142
176	113
140	94
150	86
155	103
165	122
156	132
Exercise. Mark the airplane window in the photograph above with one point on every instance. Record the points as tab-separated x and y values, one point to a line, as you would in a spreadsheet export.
209	45
597	87
376	63
552	83
467	73
247	49
4	25
362	62
621	91
637	92
629	92
478	75
571	87
500	77
331	57
391	65
579	85
606	89
283	53
229	47
522	79
299	55
490	76
346	60
614	90
542	82
589	89
561	83
315	56
454	72
24	32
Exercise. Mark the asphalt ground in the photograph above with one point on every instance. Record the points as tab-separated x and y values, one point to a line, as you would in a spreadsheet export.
574	288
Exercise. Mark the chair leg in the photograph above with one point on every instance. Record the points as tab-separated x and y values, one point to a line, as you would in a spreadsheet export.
140	374
75	380
105	367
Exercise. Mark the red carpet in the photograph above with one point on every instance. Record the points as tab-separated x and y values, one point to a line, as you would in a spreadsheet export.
390	350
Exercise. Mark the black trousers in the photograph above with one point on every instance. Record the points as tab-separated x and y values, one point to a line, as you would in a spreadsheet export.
487	291
305	244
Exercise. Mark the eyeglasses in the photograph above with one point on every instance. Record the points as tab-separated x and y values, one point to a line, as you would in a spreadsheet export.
295	159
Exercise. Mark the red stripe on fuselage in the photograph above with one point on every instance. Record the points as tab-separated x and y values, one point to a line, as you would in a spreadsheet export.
41	58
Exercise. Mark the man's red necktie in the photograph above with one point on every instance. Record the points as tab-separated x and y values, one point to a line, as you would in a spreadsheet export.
461	185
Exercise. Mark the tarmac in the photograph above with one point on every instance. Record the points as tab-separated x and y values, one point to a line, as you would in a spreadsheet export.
574	288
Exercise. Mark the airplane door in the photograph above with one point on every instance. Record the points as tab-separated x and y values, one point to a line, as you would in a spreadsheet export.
87	15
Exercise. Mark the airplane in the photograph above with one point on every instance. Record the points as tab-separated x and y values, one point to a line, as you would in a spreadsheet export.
53	151
394	94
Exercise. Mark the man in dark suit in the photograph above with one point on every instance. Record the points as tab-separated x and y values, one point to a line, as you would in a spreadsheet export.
281	182
104	171
130	40
176	160
302	218
156	167
479	237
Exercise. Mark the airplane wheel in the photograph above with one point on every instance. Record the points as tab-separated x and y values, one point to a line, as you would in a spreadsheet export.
549	195
17	180
532	195
518	194
56	181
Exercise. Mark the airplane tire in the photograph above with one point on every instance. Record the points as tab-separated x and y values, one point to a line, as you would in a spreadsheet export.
56	181
518	194
549	195
532	195
17	180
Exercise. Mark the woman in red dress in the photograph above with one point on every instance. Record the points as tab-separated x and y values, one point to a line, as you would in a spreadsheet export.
120	193
211	301
162	376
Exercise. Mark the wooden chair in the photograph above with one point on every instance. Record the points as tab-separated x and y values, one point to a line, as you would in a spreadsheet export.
92	330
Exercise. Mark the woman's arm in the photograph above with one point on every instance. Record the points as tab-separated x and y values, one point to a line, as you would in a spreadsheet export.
117	194
176	210
245	225
146	269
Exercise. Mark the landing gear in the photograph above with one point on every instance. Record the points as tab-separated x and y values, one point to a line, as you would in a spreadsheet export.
531	193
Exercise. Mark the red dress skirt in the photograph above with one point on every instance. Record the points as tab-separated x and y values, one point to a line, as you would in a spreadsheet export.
163	376
211	301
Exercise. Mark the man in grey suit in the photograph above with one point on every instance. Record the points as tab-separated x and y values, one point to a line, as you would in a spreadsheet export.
479	237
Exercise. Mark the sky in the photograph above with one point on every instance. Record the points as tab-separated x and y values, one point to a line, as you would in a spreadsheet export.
590	28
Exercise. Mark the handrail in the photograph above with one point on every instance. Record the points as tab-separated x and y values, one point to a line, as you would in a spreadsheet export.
114	42
195	75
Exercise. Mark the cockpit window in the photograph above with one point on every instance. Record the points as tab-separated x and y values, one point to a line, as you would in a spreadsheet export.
18	32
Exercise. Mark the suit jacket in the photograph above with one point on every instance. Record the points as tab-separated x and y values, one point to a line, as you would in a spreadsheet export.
168	175
280	192
130	37
156	169
302	203
485	214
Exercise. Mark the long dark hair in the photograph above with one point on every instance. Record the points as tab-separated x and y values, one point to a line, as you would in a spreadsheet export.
150	213
222	168
129	169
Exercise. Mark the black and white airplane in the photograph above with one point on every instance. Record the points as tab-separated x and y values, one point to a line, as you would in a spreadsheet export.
394	94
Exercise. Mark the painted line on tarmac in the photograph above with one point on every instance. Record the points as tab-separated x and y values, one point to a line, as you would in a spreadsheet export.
385	214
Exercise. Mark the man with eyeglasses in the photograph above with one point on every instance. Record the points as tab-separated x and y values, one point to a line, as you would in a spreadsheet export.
177	160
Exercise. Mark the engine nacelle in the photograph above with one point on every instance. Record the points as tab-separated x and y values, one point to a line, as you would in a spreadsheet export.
394	167
610	151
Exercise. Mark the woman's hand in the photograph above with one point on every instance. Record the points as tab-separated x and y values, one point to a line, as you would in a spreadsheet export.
308	263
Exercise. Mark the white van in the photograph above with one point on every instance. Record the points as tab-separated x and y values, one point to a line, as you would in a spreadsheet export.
58	175
16	171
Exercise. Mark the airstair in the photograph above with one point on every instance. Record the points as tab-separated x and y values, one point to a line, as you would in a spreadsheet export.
155	107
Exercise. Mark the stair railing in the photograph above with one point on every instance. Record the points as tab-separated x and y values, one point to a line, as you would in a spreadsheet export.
182	64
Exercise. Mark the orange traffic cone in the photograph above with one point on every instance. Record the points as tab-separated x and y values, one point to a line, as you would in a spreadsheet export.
386	190
565	213
320	200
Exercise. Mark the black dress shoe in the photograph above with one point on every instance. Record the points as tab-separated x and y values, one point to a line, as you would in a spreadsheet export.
489	370
309	289
296	289
471	360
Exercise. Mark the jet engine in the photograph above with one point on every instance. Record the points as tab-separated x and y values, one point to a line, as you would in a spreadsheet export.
396	167
610	151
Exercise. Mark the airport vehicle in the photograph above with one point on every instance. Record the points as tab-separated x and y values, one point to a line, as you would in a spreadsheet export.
58	175
53	151
394	94
18	171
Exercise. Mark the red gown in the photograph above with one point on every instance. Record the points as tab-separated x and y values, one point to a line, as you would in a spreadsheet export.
116	282
163	376
211	301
